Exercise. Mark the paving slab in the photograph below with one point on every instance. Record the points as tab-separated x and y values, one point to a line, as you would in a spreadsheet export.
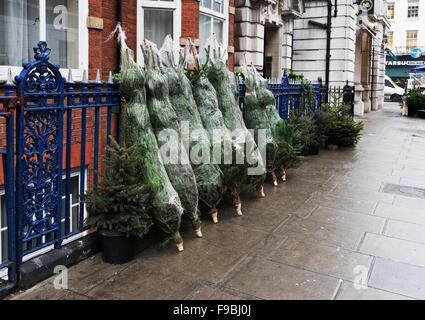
323	233
318	258
271	280
348	291
347	219
414	215
144	281
398	277
394	249
405	230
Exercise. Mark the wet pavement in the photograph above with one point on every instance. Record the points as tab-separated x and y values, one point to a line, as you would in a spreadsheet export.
348	224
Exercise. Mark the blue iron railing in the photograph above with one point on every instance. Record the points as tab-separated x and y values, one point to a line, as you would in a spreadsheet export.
287	95
60	126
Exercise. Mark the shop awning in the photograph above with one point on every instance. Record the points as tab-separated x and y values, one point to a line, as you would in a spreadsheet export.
397	72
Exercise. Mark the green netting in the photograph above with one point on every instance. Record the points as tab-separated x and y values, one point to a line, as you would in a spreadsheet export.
209	177
287	154
256	118
221	140
163	117
138	131
221	79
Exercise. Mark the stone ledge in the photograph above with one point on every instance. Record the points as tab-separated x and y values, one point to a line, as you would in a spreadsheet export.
41	267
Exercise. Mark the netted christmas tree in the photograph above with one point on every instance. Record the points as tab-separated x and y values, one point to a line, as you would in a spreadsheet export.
138	133
209	177
167	130
255	110
224	150
218	74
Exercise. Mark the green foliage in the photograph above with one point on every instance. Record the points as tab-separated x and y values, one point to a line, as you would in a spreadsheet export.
288	153
343	130
116	78
303	128
322	122
308	98
121	202
415	100
295	76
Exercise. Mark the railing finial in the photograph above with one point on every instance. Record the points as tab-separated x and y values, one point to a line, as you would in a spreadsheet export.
110	77
41	52
84	79
97	76
69	75
9	79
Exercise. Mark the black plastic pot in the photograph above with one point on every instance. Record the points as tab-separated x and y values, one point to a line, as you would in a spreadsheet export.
313	151
116	247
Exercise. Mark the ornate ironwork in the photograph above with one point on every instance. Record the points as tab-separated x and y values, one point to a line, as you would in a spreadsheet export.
40	119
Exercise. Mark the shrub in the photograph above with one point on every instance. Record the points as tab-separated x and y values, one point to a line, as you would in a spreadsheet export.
415	101
343	130
322	122
121	202
303	128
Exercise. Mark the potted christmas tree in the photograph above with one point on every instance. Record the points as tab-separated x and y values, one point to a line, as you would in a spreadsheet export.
119	207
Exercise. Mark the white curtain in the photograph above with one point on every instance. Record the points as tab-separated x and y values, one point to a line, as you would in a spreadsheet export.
19	25
157	24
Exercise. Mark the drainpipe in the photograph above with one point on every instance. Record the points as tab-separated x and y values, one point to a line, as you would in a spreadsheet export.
372	74
328	47
119	19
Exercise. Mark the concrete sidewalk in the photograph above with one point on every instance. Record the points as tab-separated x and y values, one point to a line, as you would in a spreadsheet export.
343	217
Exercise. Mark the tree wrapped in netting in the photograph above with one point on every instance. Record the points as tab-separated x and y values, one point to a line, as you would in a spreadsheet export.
287	153
218	74
255	111
138	133
209	177
223	148
167	131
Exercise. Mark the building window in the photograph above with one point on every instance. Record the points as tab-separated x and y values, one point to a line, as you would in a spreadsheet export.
390	11
61	23
213	19
411	39
159	19
390	40
413	9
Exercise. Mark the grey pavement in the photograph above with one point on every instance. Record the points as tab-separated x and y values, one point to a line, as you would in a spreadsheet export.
348	224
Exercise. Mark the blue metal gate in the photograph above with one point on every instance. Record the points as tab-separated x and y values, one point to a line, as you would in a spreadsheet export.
54	119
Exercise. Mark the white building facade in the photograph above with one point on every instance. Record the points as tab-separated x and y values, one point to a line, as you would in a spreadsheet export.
356	50
407	33
263	34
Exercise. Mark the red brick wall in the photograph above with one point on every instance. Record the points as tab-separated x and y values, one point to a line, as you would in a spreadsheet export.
190	18
102	53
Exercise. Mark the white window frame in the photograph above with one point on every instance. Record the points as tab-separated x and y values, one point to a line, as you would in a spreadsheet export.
83	43
412	4
219	16
75	173
175	6
388	5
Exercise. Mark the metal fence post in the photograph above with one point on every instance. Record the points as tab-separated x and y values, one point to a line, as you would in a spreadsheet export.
348	97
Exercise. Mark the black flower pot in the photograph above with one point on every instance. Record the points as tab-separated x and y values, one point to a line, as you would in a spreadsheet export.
313	150
116	247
